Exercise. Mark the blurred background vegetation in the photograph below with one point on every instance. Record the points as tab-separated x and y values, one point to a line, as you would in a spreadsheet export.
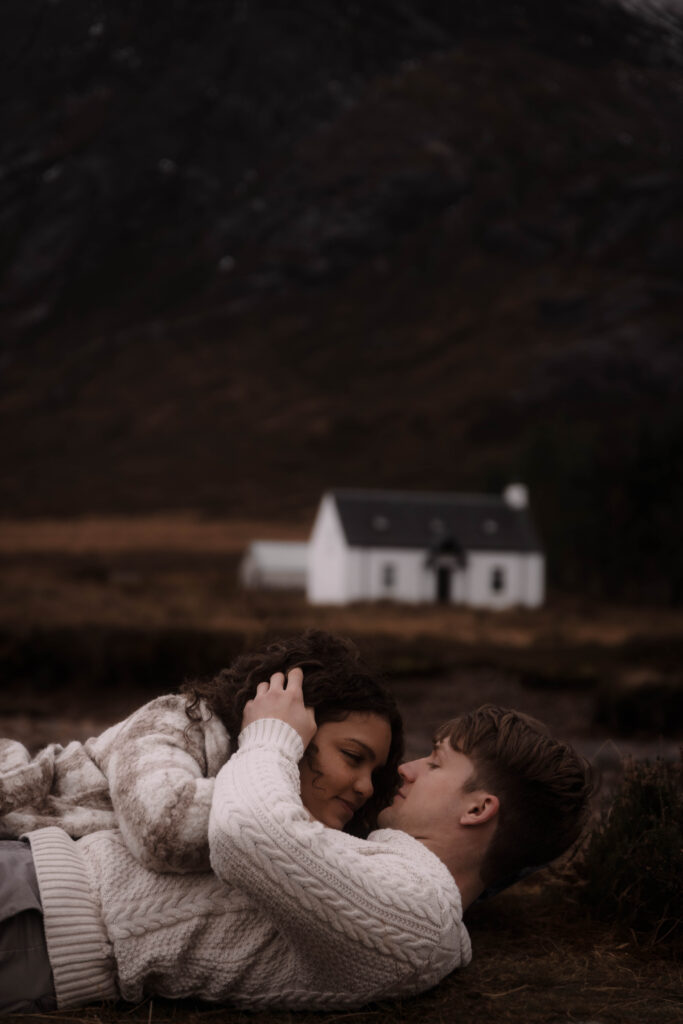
252	250
633	861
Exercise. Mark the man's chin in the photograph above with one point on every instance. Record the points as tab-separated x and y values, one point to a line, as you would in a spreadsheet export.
385	818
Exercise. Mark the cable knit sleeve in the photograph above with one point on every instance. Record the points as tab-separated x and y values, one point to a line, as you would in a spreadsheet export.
159	769
385	906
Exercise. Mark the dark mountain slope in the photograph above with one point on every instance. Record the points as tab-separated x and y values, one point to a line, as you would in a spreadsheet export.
265	252
132	132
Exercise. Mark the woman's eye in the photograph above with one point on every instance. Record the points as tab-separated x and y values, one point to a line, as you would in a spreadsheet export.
355	758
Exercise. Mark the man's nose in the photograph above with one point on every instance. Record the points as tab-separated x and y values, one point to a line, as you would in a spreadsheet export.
408	770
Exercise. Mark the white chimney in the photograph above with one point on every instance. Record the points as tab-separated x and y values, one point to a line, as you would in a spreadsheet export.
516	496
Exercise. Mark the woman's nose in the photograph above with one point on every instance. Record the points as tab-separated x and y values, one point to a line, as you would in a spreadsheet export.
364	784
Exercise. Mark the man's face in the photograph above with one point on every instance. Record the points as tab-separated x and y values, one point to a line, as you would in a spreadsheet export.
432	792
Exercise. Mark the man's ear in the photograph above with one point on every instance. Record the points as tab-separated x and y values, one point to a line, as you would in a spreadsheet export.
480	808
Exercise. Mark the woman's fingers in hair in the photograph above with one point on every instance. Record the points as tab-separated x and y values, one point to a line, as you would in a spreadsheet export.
277	681
262	688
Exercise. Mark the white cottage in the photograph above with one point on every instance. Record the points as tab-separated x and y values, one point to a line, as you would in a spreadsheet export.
474	549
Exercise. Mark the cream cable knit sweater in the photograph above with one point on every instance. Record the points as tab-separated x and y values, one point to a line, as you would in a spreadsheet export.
296	915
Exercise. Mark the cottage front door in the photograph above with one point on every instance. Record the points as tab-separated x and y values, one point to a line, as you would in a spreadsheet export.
443	584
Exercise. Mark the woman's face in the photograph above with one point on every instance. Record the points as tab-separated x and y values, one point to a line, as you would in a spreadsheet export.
336	772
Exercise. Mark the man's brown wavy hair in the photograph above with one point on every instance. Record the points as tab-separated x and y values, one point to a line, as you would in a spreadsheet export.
336	683
543	787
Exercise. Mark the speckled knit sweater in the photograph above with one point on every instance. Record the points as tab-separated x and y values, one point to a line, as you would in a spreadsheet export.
152	776
295	915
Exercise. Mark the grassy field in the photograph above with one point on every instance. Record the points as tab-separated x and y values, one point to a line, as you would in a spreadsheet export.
97	615
538	958
181	571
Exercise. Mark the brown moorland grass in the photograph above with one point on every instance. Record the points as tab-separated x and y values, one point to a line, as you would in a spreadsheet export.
181	571
161	532
538	959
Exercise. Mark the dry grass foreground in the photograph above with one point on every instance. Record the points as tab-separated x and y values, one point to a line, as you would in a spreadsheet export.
538	959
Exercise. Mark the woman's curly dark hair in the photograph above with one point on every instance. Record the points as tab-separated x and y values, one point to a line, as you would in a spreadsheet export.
336	683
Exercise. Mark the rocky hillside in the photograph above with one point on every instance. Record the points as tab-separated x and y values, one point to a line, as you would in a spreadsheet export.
251	250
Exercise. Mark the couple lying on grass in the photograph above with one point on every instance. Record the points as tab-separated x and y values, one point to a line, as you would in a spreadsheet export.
255	840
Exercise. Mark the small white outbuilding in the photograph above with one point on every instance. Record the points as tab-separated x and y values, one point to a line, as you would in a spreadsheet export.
275	565
473	549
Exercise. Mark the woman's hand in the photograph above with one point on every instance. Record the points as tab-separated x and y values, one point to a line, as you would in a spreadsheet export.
275	700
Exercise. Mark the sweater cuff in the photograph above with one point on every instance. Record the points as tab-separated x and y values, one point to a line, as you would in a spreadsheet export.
273	732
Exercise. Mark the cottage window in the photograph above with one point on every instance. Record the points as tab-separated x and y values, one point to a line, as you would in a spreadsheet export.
388	575
497	579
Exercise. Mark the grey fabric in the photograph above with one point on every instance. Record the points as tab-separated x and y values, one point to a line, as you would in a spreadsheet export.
26	982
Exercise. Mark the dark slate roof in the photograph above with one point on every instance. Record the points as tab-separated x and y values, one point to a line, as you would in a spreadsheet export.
401	519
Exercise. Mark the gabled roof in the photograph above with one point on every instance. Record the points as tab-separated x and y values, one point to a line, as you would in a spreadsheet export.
425	520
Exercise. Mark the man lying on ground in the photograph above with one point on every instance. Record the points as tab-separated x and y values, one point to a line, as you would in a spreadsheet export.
296	914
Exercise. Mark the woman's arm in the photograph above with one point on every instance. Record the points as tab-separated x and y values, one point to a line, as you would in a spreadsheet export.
157	770
24	780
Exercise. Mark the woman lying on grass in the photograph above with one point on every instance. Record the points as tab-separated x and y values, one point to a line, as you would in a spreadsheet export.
152	775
